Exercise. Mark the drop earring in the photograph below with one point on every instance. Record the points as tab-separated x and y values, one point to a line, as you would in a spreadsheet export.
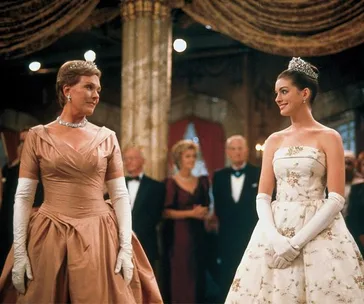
304	101
69	98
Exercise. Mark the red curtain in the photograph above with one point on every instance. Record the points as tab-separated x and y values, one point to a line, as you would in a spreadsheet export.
212	143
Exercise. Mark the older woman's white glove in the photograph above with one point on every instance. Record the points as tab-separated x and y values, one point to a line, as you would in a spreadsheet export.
120	199
24	199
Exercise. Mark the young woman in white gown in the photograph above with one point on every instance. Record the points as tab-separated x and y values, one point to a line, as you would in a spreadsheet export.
300	251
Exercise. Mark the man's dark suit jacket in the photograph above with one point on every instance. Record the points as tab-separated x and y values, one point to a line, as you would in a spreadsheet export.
355	217
146	214
236	219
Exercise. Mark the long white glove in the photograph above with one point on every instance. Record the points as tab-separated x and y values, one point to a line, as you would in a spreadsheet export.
24	199
279	243
320	221
120	199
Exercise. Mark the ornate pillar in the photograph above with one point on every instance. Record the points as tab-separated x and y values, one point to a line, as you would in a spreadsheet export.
146	80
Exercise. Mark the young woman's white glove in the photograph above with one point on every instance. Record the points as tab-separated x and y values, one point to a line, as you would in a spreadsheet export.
120	199
283	250
24	199
320	221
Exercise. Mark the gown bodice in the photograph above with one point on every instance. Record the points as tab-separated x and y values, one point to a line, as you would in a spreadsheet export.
71	178
300	172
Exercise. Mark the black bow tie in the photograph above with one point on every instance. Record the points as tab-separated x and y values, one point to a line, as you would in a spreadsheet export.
130	178
238	172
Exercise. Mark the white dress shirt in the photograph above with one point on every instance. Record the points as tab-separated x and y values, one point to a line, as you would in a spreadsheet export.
133	187
237	184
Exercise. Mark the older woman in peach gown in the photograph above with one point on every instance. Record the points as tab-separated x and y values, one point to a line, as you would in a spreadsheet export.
76	248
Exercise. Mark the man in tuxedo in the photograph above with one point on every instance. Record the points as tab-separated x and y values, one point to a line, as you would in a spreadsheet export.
147	200
353	210
234	190
355	214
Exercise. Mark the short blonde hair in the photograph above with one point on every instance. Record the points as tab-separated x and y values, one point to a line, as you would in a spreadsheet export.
180	147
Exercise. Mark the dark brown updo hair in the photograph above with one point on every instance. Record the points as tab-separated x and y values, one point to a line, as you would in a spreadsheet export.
301	80
70	74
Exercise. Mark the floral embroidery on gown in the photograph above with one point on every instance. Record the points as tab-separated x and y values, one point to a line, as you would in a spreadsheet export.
329	269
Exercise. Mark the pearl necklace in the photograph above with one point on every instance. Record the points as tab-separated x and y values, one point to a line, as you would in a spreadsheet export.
185	178
71	124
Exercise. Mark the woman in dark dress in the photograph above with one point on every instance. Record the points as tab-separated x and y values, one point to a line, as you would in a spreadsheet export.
355	218
355	213
186	207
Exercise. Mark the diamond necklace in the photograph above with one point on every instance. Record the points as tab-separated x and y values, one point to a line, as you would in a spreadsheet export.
71	124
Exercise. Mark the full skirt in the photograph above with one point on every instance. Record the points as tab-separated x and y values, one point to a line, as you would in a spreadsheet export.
73	261
329	270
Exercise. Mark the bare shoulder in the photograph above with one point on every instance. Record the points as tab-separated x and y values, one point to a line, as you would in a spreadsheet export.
327	133
279	135
274	140
329	138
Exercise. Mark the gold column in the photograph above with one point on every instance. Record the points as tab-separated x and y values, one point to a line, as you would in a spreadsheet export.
127	79
248	108
146	80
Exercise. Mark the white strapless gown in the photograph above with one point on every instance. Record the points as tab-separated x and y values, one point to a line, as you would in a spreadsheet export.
329	269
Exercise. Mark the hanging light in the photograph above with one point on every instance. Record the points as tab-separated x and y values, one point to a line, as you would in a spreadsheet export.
179	45
34	66
90	55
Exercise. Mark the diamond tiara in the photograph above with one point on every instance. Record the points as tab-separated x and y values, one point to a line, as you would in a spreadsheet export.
299	65
82	64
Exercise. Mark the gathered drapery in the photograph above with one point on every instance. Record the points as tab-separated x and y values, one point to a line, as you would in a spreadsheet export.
99	17
29	26
281	27
284	27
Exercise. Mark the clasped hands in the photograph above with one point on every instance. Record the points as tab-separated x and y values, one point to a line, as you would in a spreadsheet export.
281	253
199	212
